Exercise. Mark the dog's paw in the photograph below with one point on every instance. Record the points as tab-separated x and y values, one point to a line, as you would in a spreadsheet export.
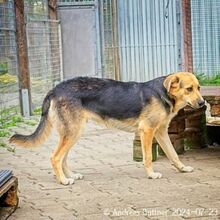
186	169
155	175
77	176
67	181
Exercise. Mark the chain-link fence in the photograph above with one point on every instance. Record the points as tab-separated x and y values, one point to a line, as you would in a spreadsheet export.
44	50
44	55
9	98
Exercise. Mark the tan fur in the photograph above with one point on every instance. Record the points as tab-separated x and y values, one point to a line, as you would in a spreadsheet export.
129	125
152	122
36	141
176	85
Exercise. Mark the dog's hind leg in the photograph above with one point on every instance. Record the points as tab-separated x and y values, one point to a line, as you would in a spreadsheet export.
57	158
69	122
68	172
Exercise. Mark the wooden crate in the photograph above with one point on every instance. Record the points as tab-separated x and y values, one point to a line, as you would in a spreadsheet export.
8	198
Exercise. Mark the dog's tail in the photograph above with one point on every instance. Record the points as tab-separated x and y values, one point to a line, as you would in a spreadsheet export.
42	131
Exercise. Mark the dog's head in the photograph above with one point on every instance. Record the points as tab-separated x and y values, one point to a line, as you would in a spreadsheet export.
184	88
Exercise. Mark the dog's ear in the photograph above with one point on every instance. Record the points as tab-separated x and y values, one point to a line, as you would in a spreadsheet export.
171	81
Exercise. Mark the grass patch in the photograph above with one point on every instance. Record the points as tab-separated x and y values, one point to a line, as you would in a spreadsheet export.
205	80
4	133
13	121
7	79
37	111
8	148
10	118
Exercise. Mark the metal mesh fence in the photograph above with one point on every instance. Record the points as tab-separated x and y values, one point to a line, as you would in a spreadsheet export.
108	45
9	98
44	50
206	36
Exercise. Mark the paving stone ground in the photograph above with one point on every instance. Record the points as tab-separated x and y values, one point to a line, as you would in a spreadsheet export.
114	186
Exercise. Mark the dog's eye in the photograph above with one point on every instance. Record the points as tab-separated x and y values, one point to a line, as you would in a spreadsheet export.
199	88
190	89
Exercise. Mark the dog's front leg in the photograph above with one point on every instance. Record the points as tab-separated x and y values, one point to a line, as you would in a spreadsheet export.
163	140
146	135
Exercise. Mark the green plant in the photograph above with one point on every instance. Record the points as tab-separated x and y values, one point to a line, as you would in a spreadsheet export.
6	123
4	133
3	68
11	149
10	118
37	111
208	80
7	79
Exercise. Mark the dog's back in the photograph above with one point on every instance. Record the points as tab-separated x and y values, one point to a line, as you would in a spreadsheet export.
110	98
105	100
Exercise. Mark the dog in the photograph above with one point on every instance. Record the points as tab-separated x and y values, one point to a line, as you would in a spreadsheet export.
146	108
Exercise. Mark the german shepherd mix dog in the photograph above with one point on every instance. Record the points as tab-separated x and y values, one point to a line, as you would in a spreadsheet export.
130	106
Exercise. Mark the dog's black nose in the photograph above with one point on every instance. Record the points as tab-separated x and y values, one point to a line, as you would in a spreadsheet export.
201	103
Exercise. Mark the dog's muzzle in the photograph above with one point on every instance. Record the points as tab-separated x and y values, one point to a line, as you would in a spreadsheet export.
201	103
197	105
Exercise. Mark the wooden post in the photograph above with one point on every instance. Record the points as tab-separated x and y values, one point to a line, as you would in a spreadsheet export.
52	9
54	41
195	133
187	36
24	76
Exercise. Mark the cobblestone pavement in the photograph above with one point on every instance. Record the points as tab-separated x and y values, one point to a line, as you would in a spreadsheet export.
114	187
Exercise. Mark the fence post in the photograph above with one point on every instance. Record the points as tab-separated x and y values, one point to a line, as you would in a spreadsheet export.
52	9
195	120
54	41
24	75
187	36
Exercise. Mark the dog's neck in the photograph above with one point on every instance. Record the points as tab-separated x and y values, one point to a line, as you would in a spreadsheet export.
176	106
168	102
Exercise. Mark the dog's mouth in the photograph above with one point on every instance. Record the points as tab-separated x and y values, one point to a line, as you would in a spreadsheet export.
192	106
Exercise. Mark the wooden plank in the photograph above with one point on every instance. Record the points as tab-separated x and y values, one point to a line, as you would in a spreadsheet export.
54	39
24	75
187	35
207	91
5	175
